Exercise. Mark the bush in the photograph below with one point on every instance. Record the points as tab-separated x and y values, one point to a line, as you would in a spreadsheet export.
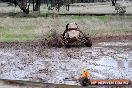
6	0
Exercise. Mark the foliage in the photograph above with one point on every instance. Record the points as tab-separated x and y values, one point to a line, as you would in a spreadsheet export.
120	9
7	0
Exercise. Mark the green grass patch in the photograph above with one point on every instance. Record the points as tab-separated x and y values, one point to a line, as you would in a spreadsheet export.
101	18
22	33
23	15
110	31
19	30
19	37
75	17
89	17
39	28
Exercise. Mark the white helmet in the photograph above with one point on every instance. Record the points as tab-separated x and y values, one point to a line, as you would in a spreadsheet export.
72	25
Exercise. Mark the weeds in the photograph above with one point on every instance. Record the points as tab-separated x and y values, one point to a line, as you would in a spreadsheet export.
38	28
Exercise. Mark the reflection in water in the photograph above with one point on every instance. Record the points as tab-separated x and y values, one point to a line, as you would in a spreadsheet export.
124	64
130	64
107	61
120	64
116	43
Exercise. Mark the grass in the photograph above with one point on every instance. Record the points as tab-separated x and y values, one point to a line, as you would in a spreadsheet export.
12	37
90	17
19	28
21	34
109	32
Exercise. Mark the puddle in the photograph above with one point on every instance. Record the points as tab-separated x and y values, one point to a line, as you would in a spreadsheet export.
106	61
115	43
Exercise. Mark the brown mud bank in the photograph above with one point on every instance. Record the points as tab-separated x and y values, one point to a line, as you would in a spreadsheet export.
53	42
28	84
23	84
109	38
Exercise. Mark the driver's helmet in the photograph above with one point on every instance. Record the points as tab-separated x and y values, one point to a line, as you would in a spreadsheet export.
72	26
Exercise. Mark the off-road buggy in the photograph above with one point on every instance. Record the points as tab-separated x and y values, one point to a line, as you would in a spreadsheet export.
72	36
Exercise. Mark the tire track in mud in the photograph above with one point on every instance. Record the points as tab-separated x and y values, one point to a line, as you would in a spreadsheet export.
104	60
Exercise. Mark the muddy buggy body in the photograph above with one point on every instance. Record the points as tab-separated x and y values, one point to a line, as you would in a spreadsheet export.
74	37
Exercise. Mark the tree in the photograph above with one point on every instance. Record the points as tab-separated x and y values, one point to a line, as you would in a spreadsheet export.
113	2
58	3
72	1
67	4
24	5
6	0
37	6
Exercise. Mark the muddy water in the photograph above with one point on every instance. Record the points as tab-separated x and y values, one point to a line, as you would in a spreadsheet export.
105	60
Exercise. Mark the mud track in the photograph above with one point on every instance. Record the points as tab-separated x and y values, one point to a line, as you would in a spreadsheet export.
33	61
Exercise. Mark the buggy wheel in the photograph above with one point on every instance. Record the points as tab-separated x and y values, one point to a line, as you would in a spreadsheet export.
66	43
67	46
65	40
86	41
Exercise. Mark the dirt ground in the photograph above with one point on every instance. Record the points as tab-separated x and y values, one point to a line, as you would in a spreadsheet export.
104	60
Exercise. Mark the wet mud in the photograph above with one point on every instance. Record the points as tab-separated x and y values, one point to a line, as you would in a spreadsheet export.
104	60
